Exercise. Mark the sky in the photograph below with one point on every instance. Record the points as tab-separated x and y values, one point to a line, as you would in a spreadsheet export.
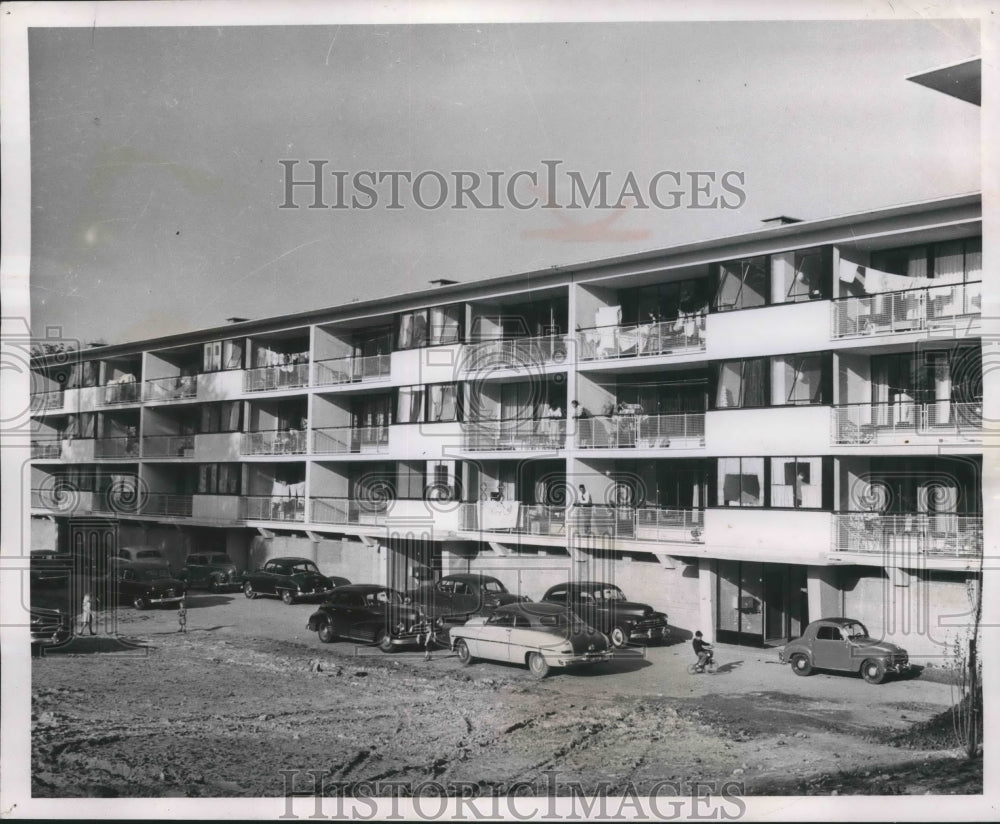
156	182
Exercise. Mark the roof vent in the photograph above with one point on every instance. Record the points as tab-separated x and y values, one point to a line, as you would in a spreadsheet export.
780	220
442	282
237	320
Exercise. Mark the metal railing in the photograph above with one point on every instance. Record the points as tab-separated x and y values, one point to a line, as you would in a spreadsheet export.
168	504
171	389
625	523
273	442
123	447
49	447
512	353
273	378
345	439
910	310
47	400
514	434
874	423
938	534
349	511
121	393
351	369
642	339
168	446
272	508
681	429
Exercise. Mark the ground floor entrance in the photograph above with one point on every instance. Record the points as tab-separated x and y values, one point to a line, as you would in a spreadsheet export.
760	604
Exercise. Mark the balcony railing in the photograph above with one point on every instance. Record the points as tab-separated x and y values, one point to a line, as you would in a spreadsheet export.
49	447
168	446
625	523
273	378
168	504
129	392
912	310
682	429
675	337
514	434
273	442
347	439
349	511
272	508
352	369
171	389
116	448
47	400
880	423
513	353
940	534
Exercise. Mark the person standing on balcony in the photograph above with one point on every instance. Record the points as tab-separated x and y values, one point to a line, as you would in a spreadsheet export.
584	502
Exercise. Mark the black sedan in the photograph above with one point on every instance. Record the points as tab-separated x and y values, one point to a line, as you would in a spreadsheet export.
604	606
372	614
291	579
457	597
145	587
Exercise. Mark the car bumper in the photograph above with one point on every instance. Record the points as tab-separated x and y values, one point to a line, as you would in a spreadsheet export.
649	634
165	599
578	660
897	668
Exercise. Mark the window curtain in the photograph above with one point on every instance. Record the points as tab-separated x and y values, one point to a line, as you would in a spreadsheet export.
445	323
443	402
410	405
232	355
405	339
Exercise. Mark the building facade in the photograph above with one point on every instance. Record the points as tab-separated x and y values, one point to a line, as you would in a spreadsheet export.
768	428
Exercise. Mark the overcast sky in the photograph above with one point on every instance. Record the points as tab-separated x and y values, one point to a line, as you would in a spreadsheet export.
156	182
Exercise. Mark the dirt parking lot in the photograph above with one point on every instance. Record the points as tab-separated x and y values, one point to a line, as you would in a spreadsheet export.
248	694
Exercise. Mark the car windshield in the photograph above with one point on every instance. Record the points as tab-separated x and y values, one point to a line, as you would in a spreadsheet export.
854	631
383	596
149	553
563	621
302	566
219	559
609	594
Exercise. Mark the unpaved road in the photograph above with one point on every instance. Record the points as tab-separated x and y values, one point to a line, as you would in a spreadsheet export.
248	693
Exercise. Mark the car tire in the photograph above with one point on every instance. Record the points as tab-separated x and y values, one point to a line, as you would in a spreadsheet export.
248	590
140	603
384	642
619	637
287	597
462	651
873	671
537	664
800	664
326	633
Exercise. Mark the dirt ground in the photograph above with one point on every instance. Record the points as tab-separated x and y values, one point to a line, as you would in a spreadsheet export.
247	695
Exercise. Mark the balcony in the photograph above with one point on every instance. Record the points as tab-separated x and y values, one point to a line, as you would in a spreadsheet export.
349	511
116	447
352	369
168	446
124	392
641	340
514	434
938	535
167	504
40	401
276	378
272	508
912	310
175	388
348	439
46	447
514	353
273	442
907	423
636	431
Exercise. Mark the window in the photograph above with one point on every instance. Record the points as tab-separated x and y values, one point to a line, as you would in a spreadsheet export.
742	284
796	483
741	384
222	354
443	484
443	402
828	634
664	301
446	324
221	417
798	379
954	257
410	405
219	479
557	596
413	330
801	275
410	480
741	482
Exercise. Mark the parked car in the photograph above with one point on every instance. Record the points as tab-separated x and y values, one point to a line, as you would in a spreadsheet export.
49	569
843	644
144	587
605	607
51	620
457	597
211	570
372	614
541	636
147	556
291	579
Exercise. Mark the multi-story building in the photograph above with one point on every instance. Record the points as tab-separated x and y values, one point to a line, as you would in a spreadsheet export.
772	427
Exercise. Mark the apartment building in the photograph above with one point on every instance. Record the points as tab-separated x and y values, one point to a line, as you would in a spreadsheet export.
770	428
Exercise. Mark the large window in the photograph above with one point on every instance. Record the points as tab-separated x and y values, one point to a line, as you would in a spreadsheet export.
799	380
435	403
741	384
430	327
931	260
221	417
411	478
664	301
804	274
743	284
741	482
219	479
775	483
222	354
796	483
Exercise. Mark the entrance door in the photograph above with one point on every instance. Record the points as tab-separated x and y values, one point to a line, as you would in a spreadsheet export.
757	602
785	613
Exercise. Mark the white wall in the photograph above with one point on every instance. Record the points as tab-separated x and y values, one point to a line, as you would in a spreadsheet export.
780	430
789	328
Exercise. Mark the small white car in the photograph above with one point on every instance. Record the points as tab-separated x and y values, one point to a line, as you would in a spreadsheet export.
539	636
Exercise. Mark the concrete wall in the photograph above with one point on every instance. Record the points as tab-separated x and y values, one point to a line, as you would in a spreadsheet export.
44	534
349	559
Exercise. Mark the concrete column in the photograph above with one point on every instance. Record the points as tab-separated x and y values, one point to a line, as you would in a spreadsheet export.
824	594
706	598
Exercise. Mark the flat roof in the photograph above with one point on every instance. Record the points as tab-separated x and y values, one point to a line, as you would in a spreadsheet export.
962	80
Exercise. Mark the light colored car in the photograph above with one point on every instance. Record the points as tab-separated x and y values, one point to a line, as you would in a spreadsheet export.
540	636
